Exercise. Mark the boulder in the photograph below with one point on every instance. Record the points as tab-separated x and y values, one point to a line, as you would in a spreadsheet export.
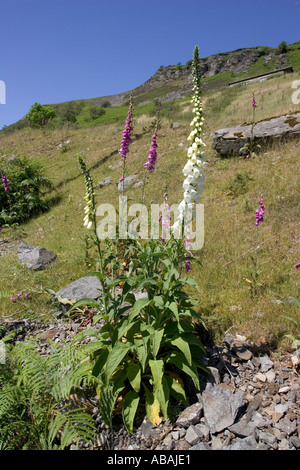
221	407
229	141
128	181
35	257
83	288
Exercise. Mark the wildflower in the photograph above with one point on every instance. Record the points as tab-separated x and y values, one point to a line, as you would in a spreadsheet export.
27	294
121	179
297	266
187	265
193	170
254	103
13	299
126	140
188	253
5	182
152	153
19	294
259	213
89	197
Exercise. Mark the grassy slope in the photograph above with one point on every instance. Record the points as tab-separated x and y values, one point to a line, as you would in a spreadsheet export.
224	298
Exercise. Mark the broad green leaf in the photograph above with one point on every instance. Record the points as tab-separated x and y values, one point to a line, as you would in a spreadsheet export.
134	375
115	357
130	406
180	361
158	300
174	308
155	340
152	408
84	302
176	390
174	328
163	394
157	369
99	365
141	346
190	281
183	345
138	306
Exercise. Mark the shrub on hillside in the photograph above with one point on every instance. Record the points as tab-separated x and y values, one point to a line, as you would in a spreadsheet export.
283	47
40	115
69	111
96	111
21	191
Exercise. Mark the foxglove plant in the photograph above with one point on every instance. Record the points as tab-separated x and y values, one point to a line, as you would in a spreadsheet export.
193	170
90	209
5	182
127	139
259	213
259	218
150	164
90	220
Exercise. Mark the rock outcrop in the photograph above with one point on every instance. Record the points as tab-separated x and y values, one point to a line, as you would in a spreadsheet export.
229	141
35	257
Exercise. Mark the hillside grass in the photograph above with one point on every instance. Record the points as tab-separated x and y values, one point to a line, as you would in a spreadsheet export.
225	301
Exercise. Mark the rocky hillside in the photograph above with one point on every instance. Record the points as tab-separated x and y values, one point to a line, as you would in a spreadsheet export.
174	81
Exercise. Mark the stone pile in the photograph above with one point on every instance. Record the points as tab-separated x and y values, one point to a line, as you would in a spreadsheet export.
248	402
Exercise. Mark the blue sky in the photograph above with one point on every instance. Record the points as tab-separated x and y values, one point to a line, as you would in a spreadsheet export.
60	50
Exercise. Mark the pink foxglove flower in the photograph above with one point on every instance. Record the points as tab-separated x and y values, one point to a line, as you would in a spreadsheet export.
152	153
5	182
297	266
126	140
254	103
259	213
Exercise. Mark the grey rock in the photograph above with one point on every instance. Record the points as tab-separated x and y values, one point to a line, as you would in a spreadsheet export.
192	436
248	443
128	181
295	441
202	430
85	287
35	257
105	182
286	425
201	446
138	184
229	141
258	420
238	347
268	438
191	415
216	443
241	429
221	407
175	435
265	363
